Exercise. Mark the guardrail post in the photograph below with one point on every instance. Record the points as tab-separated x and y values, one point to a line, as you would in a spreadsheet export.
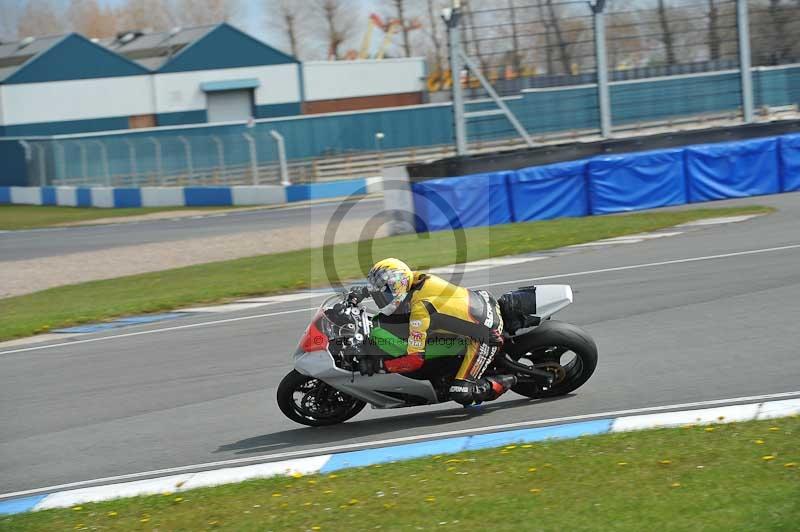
188	147
159	167
104	155
132	155
452	17
279	140
220	154
253	157
743	29
601	61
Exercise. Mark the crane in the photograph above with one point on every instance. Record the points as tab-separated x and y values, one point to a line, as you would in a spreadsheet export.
389	28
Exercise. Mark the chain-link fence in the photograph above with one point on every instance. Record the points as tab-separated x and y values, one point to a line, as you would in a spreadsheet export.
661	62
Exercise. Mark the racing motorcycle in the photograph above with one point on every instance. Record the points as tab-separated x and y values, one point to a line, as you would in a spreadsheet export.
329	385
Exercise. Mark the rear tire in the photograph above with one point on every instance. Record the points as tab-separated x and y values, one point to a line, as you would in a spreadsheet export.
311	402
546	345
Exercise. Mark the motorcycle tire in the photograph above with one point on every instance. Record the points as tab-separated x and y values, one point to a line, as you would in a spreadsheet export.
294	381
562	335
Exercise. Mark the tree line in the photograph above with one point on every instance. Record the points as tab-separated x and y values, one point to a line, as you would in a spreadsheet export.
520	36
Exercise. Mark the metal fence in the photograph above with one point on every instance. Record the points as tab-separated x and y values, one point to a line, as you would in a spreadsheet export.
580	65
527	73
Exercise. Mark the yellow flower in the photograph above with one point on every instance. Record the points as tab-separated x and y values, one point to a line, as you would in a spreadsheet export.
452	461
167	493
527	446
504	451
307	504
353	501
790	464
297	474
178	499
665	462
531	470
77	508
511	447
675	485
451	468
333	475
327	492
774	429
312	481
430	499
709	429
768	457
759	442
315	527
535	490
144	519
112	514
622	463
277	495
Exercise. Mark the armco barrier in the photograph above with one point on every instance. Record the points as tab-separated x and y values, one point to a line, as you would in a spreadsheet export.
550	191
733	169
632	181
105	197
789	146
611	183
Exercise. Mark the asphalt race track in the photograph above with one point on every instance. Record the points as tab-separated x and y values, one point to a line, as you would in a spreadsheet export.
669	331
31	244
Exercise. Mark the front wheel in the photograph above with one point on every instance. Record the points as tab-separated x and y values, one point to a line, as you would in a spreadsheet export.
311	402
563	349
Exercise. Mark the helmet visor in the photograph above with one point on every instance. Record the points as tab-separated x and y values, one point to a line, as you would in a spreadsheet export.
382	297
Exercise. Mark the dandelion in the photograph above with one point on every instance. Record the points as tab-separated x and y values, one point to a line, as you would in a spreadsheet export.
709	429
167	493
790	464
451	468
315	527
256	506
312	482
452	461
77	508
178	499
333	475
665	462
759	442
112	514
527	446
535	491
297	474
277	495
622	463
504	451
531	470
327	492
352	502
768	457
430	499
306	504
675	485
774	429
144	519
509	447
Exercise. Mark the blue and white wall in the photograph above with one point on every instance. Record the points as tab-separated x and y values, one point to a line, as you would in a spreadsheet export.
107	197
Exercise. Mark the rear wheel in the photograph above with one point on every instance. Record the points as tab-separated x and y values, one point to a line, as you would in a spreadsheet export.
312	402
562	349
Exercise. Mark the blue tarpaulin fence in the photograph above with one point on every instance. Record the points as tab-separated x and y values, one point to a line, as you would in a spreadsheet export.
611	183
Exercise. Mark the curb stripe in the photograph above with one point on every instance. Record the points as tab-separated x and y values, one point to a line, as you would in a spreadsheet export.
327	463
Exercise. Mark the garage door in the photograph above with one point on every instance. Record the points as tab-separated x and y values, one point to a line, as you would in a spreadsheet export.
227	106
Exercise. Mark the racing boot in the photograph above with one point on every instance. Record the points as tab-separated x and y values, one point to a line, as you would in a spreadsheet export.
490	388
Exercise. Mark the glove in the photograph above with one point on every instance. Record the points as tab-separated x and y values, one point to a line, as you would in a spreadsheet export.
356	295
370	365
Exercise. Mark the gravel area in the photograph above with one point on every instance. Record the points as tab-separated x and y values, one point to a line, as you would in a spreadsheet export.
26	276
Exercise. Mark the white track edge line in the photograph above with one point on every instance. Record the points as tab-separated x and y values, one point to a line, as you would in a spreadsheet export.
405	439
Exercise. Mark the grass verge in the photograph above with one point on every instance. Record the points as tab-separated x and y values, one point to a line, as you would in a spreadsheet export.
219	281
739	476
14	217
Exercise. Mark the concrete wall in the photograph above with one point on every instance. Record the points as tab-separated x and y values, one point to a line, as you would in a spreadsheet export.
328	80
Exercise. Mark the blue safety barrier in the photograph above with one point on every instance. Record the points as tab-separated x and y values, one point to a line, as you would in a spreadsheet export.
633	181
611	183
5	195
466	201
789	148
551	191
732	169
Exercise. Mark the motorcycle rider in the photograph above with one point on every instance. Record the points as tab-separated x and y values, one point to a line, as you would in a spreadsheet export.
437	305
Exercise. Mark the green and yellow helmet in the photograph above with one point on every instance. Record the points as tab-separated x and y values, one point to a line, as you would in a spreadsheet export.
388	282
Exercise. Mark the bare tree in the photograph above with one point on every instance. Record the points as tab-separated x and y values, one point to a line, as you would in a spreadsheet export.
338	24
286	17
10	15
666	32
89	19
43	17
199	13
400	7
561	41
714	38
515	50
433	30
145	14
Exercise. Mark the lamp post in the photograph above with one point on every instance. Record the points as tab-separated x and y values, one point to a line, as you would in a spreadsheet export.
378	138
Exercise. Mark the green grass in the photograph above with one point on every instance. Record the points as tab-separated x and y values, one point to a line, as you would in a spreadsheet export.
13	217
280	272
695	478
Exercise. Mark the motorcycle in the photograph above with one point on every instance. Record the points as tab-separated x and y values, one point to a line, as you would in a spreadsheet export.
327	385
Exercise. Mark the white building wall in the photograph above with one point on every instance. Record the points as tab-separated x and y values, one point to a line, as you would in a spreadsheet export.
180	91
329	80
57	101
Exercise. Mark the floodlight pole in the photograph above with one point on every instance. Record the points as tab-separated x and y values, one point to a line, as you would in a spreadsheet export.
601	62
452	17
743	29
